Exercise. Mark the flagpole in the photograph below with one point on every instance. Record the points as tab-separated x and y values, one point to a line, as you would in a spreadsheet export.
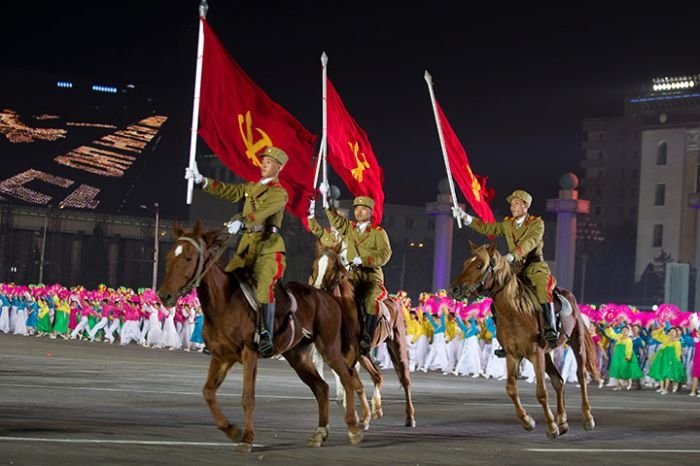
429	80
203	7
324	129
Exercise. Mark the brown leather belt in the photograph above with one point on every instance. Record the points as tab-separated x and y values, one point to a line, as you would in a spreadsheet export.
263	228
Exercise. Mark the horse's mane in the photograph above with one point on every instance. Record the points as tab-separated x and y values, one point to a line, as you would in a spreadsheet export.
346	288
516	291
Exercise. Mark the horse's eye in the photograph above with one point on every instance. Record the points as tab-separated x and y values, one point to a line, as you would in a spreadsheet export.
479	265
189	259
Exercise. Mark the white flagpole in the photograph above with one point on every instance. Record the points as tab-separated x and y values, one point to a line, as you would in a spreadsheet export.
429	80
203	7
324	139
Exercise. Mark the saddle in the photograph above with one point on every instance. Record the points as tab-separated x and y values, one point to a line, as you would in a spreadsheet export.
383	330
564	313
283	307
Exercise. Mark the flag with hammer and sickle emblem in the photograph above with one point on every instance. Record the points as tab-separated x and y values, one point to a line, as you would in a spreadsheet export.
238	120
351	155
472	186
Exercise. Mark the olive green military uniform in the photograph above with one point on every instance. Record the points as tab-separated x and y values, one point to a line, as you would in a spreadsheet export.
326	236
260	246
525	243
372	246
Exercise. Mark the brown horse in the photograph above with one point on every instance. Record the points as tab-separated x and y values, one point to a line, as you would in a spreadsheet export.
518	325
330	274
305	317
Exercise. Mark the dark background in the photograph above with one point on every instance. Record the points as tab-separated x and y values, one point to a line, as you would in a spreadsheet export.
514	84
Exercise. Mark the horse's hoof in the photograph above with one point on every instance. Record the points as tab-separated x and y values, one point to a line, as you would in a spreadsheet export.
243	447
554	434
563	428
340	402
356	437
314	441
410	423
233	432
364	424
589	425
530	426
377	414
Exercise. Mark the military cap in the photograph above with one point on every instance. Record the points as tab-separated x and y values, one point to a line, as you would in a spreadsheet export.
522	195
363	201
276	154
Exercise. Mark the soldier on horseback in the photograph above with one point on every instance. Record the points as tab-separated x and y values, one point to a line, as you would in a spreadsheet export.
262	246
368	250
524	235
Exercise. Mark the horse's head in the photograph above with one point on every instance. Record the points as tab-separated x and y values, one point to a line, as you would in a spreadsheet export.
186	261
478	275
328	270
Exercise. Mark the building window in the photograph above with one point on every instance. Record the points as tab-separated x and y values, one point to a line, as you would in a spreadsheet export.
600	155
633	210
598	192
635	172
601	137
409	222
431	223
660	195
658	236
661	153
697	179
597	210
635	155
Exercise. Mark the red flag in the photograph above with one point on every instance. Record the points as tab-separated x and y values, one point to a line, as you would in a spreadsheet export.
238	121
351	155
472	186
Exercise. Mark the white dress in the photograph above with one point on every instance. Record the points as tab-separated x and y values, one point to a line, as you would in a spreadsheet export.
470	360
155	328
495	367
170	338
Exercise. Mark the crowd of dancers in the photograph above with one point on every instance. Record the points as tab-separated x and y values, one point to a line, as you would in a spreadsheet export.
110	315
635	349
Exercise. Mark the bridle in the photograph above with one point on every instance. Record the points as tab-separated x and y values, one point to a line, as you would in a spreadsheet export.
476	288
202	265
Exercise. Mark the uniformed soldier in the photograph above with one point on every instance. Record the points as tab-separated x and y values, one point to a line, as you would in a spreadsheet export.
262	246
368	250
524	235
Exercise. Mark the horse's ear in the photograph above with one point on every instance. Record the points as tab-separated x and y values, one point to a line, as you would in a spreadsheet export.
473	246
177	229
198	229
491	248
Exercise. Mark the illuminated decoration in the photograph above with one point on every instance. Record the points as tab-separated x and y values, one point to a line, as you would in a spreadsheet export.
108	89
109	162
46	117
90	125
17	132
15	186
64	84
82	198
676	83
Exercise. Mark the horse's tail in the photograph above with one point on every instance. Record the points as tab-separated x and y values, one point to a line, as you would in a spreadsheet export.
591	357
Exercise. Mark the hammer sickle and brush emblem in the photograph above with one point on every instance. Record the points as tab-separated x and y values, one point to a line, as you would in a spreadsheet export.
252	146
362	164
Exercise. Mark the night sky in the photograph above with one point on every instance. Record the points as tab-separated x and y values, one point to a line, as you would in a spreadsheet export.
515	85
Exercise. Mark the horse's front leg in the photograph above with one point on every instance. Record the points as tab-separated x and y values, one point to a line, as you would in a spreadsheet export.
542	395
217	373
512	363
250	371
559	387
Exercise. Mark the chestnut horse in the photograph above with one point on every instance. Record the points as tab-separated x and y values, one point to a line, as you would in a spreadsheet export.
305	317
518	324
330	274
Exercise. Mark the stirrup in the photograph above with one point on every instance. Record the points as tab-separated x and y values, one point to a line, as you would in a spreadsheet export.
551	337
499	353
365	344
265	347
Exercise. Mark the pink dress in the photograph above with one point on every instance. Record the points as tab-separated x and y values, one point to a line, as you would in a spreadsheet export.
696	357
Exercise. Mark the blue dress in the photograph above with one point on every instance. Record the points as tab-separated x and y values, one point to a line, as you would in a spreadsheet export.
197	331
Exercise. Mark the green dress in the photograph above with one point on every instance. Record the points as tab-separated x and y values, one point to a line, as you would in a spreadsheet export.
666	362
60	324
44	323
624	364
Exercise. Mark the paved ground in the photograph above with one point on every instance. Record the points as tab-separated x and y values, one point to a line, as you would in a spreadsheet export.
72	402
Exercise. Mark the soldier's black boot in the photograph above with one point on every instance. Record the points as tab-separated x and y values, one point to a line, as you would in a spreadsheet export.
500	352
265	347
550	325
368	333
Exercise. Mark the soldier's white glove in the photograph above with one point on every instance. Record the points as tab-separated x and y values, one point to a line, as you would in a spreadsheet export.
357	261
192	173
324	188
458	213
510	258
312	209
233	227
